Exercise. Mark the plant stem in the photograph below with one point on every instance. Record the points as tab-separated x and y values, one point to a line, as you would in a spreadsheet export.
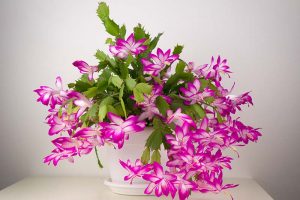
99	162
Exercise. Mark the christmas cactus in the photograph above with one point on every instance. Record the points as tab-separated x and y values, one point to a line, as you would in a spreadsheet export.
140	85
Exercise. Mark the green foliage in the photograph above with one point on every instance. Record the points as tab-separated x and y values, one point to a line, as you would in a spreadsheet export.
175	78
123	31
146	156
199	110
103	107
154	42
121	100
178	49
140	89
180	67
91	92
156	157
110	26
130	83
162	105
140	32
117	81
157	137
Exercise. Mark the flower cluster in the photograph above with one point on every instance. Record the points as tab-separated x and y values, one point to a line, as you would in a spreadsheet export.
192	114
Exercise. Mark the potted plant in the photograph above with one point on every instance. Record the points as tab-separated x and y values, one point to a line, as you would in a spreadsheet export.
145	102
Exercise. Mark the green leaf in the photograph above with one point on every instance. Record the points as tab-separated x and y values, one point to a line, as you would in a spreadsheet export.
123	31
219	117
138	95
178	49
92	112
81	86
146	156
91	92
144	88
117	81
100	55
121	100
180	67
112	109
154	140
103	80
109	41
123	71
162	105
139	32
103	107
71	85
155	157
175	78
103	11
199	110
130	83
111	27
154	42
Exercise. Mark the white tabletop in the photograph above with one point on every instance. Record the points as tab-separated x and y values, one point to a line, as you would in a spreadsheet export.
92	188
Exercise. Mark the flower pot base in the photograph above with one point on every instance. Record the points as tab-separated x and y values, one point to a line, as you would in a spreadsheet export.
126	189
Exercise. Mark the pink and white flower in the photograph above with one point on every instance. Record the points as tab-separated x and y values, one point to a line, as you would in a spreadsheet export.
192	93
81	101
179	118
129	46
118	129
136	170
50	96
158	62
93	136
59	154
161	182
215	69
184	186
65	122
84	68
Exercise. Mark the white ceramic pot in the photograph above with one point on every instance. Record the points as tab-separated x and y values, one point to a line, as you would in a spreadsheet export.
132	149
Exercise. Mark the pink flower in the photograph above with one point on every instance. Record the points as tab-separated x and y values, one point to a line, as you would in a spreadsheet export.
246	133
221	105
181	137
49	96
73	144
162	183
212	182
84	68
125	47
64	123
91	135
81	101
193	69
179	118
215	69
118	130
158	62
192	93
136	170
237	101
59	154
148	105
184	187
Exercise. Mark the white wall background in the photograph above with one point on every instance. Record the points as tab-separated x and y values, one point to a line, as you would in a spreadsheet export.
40	40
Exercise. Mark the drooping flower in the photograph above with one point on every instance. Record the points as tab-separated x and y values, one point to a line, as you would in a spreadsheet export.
221	105
192	93
59	154
179	118
237	101
215	69
93	136
158	62
212	182
49	96
118	129
84	68
81	101
65	122
128	46
246	133
162	182
138	169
